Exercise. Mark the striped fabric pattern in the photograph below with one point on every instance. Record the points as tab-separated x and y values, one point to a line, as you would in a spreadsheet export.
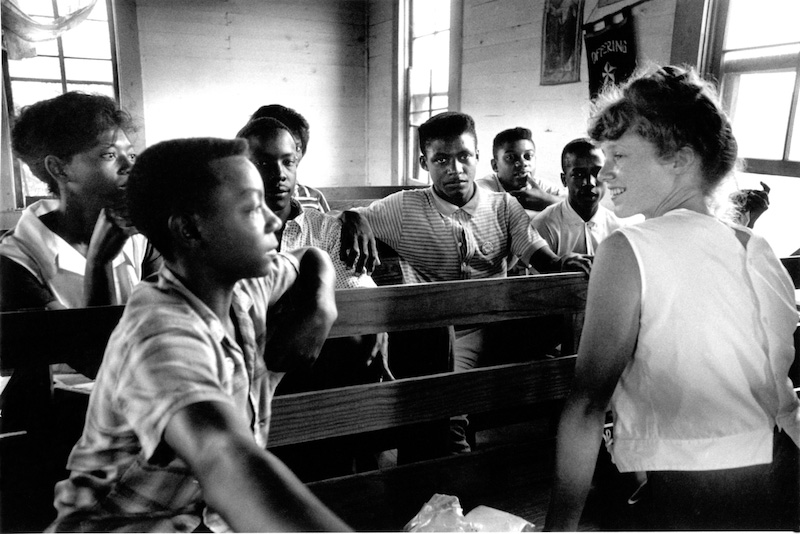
443	242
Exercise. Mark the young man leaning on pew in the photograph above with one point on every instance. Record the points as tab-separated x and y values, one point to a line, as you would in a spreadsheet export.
177	423
455	230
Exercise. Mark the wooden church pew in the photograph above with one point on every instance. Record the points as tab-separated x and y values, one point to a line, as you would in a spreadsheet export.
342	198
78	337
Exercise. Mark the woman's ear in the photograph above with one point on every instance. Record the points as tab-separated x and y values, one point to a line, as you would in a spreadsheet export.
684	159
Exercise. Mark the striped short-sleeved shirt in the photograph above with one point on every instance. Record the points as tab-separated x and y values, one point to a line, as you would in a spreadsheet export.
308	197
443	242
168	351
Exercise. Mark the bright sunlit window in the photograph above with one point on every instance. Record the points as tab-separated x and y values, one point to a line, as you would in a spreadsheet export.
759	64
429	70
81	59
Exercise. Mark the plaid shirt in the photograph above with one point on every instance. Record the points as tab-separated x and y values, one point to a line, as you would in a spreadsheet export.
168	351
310	228
444	242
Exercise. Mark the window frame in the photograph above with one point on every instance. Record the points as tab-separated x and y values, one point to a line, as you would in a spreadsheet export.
712	66
412	174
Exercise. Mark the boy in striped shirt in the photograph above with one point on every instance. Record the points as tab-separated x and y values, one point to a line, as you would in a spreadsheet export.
455	230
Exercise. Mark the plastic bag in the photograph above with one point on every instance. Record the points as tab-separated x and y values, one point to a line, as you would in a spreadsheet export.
443	513
488	519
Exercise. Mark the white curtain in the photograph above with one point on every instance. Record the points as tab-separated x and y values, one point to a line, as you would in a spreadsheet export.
20	31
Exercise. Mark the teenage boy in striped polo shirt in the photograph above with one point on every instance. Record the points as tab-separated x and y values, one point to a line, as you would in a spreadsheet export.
455	230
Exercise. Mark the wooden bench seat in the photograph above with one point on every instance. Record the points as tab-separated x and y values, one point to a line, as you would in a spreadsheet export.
78	337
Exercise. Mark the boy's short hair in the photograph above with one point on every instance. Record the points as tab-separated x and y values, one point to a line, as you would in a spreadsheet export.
446	125
512	135
64	126
581	145
174	177
264	127
294	121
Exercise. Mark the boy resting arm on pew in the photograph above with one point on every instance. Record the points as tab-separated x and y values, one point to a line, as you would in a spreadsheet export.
177	423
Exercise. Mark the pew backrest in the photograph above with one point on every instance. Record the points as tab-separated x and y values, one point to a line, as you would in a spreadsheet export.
342	198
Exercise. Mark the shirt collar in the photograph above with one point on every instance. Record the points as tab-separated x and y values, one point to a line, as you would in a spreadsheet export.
577	218
168	281
296	213
295	208
447	209
48	248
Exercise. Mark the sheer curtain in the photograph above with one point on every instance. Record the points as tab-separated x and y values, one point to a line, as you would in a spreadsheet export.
20	31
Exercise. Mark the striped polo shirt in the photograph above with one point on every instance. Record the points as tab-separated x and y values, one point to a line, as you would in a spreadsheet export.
444	242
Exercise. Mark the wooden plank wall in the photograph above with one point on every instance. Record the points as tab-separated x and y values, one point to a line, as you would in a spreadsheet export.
207	65
502	42
382	94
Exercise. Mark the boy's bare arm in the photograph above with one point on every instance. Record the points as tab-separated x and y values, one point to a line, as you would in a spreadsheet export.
545	261
359	249
535	199
299	323
250	488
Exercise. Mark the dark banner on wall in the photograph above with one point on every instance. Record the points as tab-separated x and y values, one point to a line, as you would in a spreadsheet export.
610	50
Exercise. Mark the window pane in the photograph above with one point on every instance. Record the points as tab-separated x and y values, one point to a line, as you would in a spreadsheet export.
441	68
107	90
432	52
440	102
50	47
418	118
794	150
90	70
66	7
420	103
419	81
27	93
100	11
47	48
36	7
429	16
88	39
764	22
38	67
31	185
759	111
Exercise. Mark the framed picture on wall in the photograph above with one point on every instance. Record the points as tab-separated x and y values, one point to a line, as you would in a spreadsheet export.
561	41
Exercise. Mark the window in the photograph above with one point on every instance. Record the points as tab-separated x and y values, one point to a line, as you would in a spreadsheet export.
81	59
755	54
430	69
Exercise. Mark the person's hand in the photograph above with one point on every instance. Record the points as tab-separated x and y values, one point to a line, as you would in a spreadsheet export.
750	204
379	356
359	250
757	203
576	262
107	239
105	244
534	198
